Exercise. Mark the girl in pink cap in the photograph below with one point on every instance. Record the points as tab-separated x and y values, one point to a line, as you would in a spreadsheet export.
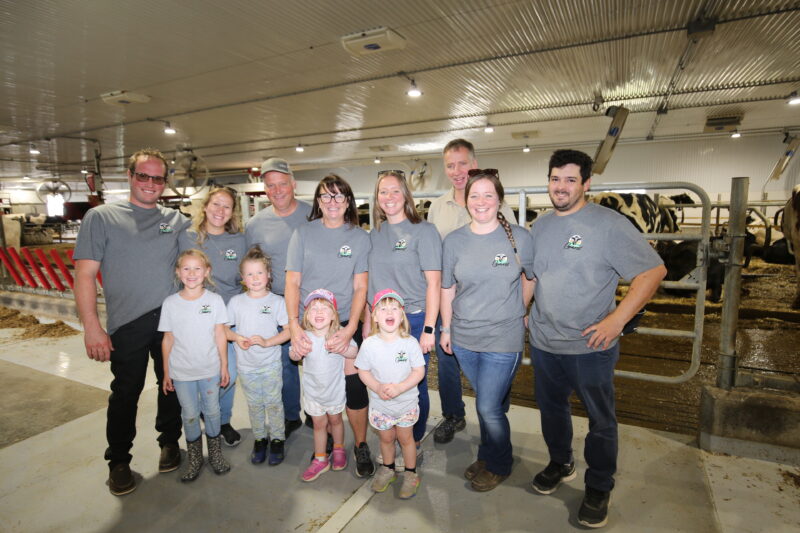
390	363
324	395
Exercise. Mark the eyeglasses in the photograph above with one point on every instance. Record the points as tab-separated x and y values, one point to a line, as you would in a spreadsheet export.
338	198
491	171
382	173
141	177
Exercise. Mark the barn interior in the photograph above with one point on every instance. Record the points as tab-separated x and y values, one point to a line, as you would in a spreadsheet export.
706	88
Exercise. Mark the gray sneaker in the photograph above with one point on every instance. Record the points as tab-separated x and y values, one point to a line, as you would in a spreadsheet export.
409	487
383	478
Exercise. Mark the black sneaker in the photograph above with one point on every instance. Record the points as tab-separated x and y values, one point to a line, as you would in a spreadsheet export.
170	457
259	454
445	432
594	509
548	480
275	452
230	436
364	465
290	426
121	480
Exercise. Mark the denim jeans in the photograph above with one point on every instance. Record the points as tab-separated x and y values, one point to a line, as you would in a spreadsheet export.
449	376
200	396
262	389
491	375
290	393
135	343
591	376
416	322
226	395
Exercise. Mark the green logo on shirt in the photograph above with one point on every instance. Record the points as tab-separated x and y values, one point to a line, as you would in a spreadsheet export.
500	260
402	244
266	310
230	255
401	357
164	228
205	309
575	242
345	251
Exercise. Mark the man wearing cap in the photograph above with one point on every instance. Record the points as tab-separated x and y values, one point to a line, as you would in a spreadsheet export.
271	228
134	244
448	213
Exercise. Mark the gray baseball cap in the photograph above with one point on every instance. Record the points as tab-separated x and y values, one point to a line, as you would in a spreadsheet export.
276	164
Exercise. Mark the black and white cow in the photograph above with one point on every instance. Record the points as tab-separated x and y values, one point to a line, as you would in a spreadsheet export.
641	210
791	229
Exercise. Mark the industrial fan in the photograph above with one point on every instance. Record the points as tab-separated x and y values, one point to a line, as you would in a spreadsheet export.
189	174
53	187
417	179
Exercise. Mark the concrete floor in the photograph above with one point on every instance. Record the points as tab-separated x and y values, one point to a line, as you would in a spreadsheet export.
52	475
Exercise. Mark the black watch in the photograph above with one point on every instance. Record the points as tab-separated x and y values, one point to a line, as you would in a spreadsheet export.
427	329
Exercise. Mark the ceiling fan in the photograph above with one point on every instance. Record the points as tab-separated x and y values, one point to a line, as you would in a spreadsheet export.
53	187
189	174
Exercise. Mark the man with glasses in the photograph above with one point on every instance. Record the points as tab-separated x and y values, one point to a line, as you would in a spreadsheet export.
448	213
134	245
271	228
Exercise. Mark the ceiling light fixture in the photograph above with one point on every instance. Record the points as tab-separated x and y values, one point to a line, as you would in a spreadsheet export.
793	99
168	129
33	150
26	177
526	149
255	169
488	128
377	160
735	134
84	171
414	91
299	148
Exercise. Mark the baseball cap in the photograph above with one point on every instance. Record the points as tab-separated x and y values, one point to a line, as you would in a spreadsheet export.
386	293
276	164
321	294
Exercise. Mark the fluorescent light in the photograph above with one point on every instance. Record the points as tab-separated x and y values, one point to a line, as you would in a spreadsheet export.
735	134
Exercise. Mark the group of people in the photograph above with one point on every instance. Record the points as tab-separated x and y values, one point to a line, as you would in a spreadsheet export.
460	283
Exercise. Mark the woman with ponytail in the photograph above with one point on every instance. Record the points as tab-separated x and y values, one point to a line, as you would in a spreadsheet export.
485	294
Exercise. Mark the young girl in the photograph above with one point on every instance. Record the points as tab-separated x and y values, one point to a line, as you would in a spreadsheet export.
257	315
196	358
323	382
390	363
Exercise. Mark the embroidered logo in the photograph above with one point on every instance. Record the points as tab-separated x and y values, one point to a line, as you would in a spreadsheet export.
401	357
345	251
205	309
266	310
164	228
575	242
402	244
500	260
230	255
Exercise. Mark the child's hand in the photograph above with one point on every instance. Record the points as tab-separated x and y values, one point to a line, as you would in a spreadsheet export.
243	342
391	390
166	384
224	378
258	340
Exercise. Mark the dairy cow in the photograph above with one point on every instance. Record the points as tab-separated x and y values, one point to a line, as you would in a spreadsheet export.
791	229
641	210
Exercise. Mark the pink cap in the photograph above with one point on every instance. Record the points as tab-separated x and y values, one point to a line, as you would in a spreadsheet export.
387	293
320	294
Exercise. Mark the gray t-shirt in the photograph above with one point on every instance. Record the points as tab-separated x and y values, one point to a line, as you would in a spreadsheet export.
323	373
400	253
577	261
194	353
136	248
225	251
391	362
487	308
272	233
328	259
257	316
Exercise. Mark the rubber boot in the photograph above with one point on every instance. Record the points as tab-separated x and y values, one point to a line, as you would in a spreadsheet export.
194	460
215	458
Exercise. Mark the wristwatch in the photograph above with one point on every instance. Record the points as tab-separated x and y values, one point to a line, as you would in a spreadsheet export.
444	329
427	329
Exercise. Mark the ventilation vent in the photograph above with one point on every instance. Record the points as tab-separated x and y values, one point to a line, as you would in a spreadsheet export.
124	98
371	41
722	124
531	134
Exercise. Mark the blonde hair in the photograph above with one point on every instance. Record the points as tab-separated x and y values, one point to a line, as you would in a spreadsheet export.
143	155
374	329
234	225
199	254
410	210
335	325
256	254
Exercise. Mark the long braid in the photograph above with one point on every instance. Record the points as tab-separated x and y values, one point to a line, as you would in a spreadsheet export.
507	227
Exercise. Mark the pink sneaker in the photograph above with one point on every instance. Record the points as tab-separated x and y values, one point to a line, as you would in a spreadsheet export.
315	469
339	459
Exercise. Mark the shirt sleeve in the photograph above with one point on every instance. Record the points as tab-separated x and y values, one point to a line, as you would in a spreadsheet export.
363	358
448	262
525	250
430	249
415	357
294	255
232	305
280	315
91	242
630	254
165	321
362	263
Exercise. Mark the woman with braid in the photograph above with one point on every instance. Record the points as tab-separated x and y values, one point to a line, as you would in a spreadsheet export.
485	293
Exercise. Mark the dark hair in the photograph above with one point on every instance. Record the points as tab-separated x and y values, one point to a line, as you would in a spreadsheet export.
329	183
457	144
256	254
493	176
409	208
561	158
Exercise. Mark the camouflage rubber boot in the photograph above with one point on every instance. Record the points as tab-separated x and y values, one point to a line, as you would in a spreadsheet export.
194	460
215	458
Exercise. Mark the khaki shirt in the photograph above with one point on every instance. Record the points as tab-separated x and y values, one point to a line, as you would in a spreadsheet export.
447	215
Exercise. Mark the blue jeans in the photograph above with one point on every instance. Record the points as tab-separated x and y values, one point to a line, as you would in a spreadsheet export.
491	375
226	395
591	376
290	393
449	375
195	397
416	322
